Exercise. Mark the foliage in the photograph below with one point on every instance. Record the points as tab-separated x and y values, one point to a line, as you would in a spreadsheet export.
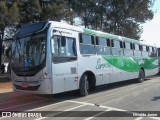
8	16
121	17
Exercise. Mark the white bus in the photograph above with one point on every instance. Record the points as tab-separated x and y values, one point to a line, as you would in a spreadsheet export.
53	57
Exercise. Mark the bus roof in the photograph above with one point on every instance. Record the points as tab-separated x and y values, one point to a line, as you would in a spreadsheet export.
93	32
40	25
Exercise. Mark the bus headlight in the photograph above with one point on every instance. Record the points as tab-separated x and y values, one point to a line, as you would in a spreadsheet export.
45	75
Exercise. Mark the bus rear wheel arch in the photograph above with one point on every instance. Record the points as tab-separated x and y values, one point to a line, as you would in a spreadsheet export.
87	82
141	75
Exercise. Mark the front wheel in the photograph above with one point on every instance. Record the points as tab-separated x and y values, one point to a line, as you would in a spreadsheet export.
84	85
141	76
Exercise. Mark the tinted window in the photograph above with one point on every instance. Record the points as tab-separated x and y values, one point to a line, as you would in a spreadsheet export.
145	48
102	41
128	51
117	50
86	39
87	49
31	28
127	45
116	44
101	50
108	42
87	44
64	46
136	47
137	53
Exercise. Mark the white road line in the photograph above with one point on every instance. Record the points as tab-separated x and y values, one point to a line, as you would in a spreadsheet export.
110	108
101	106
21	105
74	108
62	111
156	118
89	118
138	118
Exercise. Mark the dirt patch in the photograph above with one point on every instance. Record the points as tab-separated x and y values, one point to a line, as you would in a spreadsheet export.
7	85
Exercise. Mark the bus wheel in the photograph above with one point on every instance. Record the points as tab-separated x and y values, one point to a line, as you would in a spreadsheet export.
84	85
141	76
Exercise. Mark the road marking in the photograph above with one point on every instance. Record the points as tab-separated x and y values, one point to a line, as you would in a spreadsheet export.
21	105
74	108
138	118
108	109
89	118
156	118
101	106
62	111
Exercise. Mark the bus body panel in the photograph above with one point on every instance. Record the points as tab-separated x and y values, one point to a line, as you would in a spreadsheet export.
34	84
64	77
64	74
59	76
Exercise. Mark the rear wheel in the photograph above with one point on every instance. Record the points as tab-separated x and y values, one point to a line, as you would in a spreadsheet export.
84	85
141	76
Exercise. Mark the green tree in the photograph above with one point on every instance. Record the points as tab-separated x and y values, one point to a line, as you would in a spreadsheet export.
84	9
58	11
30	11
121	17
127	15
9	16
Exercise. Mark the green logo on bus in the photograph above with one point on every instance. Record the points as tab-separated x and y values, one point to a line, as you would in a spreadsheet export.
102	65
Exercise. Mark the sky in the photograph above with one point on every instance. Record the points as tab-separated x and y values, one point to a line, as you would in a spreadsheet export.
151	29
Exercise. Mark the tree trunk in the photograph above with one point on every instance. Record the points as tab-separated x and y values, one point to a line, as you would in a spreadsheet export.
0	49
1	39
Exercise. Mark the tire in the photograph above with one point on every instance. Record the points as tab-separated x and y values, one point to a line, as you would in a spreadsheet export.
141	76
84	85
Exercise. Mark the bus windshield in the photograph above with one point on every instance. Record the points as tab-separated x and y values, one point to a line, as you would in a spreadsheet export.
29	51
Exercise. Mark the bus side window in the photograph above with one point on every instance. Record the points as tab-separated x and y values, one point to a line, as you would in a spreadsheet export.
152	52
117	50
155	52
70	47
128	50
102	46
64	46
137	50
87	44
145	50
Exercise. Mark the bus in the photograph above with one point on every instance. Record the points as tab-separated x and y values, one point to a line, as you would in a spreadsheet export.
51	57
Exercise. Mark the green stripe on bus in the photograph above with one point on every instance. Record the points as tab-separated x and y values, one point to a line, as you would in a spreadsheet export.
130	64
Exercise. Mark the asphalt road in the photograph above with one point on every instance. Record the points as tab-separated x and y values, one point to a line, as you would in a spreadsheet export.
126	100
